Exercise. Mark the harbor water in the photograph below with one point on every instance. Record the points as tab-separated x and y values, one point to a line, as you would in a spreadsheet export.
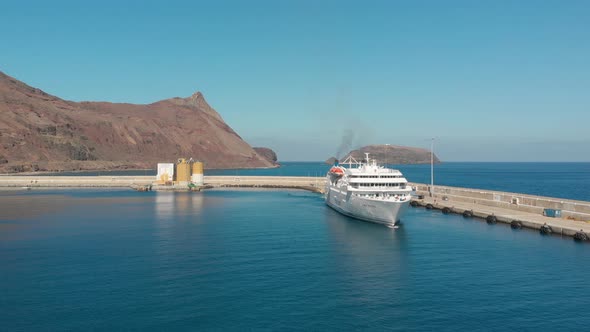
273	260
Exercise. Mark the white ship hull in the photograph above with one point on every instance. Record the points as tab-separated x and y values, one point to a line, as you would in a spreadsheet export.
368	191
381	211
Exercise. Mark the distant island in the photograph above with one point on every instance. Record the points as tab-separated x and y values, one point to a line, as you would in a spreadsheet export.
390	154
41	132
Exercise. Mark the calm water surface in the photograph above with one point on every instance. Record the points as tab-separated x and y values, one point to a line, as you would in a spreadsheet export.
241	260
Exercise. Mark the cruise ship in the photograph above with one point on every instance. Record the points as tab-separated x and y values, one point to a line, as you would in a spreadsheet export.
368	191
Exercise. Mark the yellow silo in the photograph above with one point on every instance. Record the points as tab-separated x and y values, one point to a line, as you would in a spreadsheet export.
183	171
197	177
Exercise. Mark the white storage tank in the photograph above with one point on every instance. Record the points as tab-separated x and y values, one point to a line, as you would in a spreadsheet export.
165	173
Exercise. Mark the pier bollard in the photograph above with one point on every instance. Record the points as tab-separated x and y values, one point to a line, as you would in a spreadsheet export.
491	219
546	229
515	224
580	236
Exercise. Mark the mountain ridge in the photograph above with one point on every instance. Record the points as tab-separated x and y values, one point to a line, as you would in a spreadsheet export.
42	132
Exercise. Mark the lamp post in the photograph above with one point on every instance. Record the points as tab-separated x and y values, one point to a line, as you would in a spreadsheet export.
432	167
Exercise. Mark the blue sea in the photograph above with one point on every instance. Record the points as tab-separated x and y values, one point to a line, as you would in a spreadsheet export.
235	260
281	260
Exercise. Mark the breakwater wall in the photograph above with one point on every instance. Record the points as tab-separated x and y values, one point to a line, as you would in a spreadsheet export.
570	209
8	181
315	184
578	210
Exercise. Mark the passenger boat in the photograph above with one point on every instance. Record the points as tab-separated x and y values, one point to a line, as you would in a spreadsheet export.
368	191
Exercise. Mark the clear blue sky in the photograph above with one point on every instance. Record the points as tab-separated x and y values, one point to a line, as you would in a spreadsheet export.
491	80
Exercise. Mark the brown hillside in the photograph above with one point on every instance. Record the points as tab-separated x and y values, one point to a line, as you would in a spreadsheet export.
39	131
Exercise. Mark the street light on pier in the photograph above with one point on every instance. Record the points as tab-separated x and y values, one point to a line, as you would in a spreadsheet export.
432	167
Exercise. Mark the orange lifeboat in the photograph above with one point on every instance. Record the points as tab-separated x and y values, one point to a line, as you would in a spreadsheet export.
338	171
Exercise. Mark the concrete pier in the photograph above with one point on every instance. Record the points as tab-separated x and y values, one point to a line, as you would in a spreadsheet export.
579	210
559	226
509	207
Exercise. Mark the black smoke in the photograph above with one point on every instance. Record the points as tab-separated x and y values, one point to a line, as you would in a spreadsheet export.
345	143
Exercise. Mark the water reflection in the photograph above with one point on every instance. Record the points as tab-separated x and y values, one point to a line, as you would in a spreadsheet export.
171	205
164	205
172	208
371	256
365	237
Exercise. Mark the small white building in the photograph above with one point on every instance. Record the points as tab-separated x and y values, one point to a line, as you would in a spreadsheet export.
165	172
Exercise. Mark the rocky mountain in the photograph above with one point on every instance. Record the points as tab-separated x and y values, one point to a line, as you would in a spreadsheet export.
268	154
393	154
41	132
